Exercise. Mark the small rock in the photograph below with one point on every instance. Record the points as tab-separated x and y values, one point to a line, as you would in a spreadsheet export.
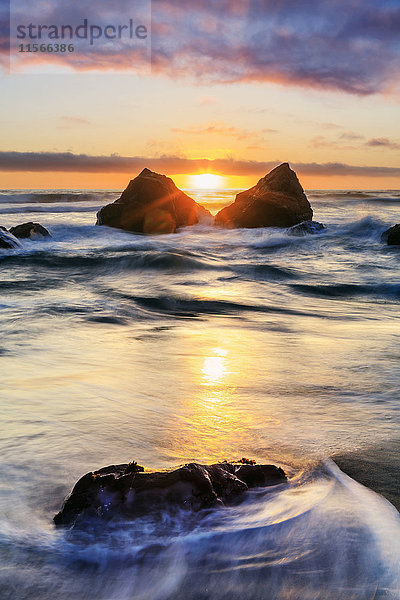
29	230
306	228
128	490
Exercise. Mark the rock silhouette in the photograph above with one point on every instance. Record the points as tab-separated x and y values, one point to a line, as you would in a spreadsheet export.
277	200
29	230
129	490
152	204
392	236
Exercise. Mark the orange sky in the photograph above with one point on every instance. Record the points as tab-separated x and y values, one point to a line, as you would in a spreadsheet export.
119	181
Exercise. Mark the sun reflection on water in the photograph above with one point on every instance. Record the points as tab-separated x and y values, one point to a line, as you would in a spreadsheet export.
215	367
216	424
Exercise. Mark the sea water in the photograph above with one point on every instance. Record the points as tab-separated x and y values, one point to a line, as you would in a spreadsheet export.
201	346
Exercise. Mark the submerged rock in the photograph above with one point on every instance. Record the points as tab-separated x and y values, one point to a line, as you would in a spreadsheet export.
8	240
29	230
129	490
306	228
152	204
392	235
277	200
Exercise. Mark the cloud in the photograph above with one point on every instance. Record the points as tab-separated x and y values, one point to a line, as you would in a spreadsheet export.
383	143
84	163
223	130
350	140
343	45
254	147
346	141
350	46
4	33
207	100
67	121
351	136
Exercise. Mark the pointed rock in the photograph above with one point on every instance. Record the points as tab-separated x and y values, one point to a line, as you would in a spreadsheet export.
278	200
152	204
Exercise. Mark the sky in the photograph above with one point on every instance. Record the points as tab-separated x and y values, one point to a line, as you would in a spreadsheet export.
230	87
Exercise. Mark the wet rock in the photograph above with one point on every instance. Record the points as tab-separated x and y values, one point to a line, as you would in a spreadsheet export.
277	200
392	236
128	490
152	204
8	240
30	230
306	228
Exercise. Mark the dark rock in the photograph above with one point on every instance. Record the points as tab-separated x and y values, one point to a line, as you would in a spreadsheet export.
152	204
392	235
7	240
278	200
3	228
306	228
30	230
128	490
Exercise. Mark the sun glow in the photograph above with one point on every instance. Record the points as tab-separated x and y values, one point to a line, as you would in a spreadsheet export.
214	367
207	181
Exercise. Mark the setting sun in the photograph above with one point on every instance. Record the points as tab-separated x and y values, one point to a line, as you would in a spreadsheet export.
207	181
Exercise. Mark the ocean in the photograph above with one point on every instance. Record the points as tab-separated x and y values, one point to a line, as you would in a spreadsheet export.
204	345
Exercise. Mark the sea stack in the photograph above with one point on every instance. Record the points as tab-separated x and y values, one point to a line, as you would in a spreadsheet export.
152	204
277	200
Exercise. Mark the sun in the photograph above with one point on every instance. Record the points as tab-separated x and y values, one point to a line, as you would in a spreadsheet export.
207	181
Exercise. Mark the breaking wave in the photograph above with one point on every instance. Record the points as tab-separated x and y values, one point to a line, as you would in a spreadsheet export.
321	537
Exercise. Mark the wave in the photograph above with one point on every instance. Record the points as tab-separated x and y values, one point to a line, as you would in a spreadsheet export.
114	261
322	537
49	197
390	291
363	195
64	208
265	272
366	228
178	306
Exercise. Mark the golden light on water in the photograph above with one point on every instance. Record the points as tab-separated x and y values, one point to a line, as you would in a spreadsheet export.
214	368
207	181
217	424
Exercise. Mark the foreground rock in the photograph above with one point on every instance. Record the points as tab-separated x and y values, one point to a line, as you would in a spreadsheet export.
306	228
128	490
7	240
278	200
392	236
152	204
30	230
